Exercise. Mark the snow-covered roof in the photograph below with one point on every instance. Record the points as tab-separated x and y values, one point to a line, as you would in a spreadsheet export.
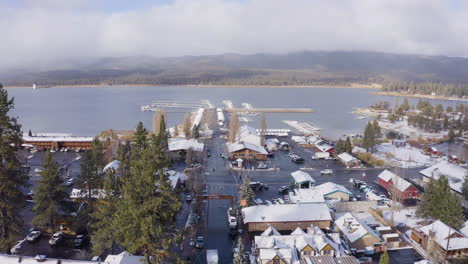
82	194
57	139
286	213
464	229
112	165
400	183
246	130
454	173
309	195
284	253
322	154
441	231
346	157
299	139
331	187
324	147
270	231
302	176
175	176
185	144
14	259
352	228
233	147
124	258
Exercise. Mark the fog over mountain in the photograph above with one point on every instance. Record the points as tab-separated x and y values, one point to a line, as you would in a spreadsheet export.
56	35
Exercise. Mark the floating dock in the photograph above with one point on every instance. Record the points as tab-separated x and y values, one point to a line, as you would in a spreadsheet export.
205	104
270	110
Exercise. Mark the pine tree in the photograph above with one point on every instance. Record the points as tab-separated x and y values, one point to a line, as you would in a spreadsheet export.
187	124
339	147
12	179
30	133
123	155
239	258
446	123
50	195
90	181
384	258
233	127
368	140
439	202
451	135
195	132
465	187
263	127
103	234
246	192
139	138
347	146
144	220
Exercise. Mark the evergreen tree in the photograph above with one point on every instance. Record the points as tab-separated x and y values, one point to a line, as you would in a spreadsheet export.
449	109
339	147
239	258
233	127
139	138
451	135
90	181
377	130
187	124
12	179
465	187
384	258
440	203
368	140
123	155
195	132
263	127
348	147
30	133
50	194
246	192
446	123
103	234
144	219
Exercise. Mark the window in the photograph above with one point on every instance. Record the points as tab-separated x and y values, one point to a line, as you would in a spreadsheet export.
328	252
276	261
308	253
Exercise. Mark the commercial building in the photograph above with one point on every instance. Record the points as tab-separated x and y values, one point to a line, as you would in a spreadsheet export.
246	151
285	217
396	185
358	235
454	173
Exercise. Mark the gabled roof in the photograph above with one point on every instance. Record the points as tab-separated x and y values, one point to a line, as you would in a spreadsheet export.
302	176
234	147
298	231
454	173
331	187
400	183
270	231
185	144
352	228
286	213
112	165
441	232
346	157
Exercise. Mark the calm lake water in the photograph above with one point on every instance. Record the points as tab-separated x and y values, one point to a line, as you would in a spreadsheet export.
86	111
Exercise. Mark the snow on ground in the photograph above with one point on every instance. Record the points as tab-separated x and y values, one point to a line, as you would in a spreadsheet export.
405	157
405	216
403	128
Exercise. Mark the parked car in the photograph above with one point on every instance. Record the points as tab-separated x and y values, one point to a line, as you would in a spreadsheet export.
297	159
69	182
232	222
199	242
56	239
281	201
30	196
33	236
326	172
286	198
268	202
188	198
259	201
16	249
292	154
38	170
208	153
79	241
233	232
283	190
262	166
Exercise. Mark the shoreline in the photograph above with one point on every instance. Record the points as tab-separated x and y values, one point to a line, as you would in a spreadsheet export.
355	86
434	97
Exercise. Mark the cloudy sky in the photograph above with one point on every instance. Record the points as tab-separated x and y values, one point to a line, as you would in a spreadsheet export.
43	32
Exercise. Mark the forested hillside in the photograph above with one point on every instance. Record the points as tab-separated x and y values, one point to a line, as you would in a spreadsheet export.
398	72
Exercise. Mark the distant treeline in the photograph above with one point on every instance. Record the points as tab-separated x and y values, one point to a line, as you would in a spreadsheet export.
442	89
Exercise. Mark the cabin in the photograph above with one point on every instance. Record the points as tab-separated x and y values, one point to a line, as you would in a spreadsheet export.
454	173
396	185
286	217
358	235
435	238
348	160
246	151
432	151
178	148
453	159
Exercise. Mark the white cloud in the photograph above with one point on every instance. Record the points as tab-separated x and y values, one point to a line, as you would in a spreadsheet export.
33	34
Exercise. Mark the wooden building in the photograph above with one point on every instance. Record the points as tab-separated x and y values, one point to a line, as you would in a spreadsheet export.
246	151
396	185
58	141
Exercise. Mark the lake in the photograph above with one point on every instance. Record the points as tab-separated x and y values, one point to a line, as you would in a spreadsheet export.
85	111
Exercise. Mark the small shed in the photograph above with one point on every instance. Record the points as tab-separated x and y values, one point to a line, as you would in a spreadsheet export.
302	179
348	160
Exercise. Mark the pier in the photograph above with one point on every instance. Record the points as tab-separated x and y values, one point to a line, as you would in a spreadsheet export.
270	110
173	104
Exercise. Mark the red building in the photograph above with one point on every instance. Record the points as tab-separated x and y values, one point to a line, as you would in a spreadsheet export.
396	185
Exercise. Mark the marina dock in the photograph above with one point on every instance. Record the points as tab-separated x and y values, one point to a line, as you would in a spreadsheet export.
270	110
